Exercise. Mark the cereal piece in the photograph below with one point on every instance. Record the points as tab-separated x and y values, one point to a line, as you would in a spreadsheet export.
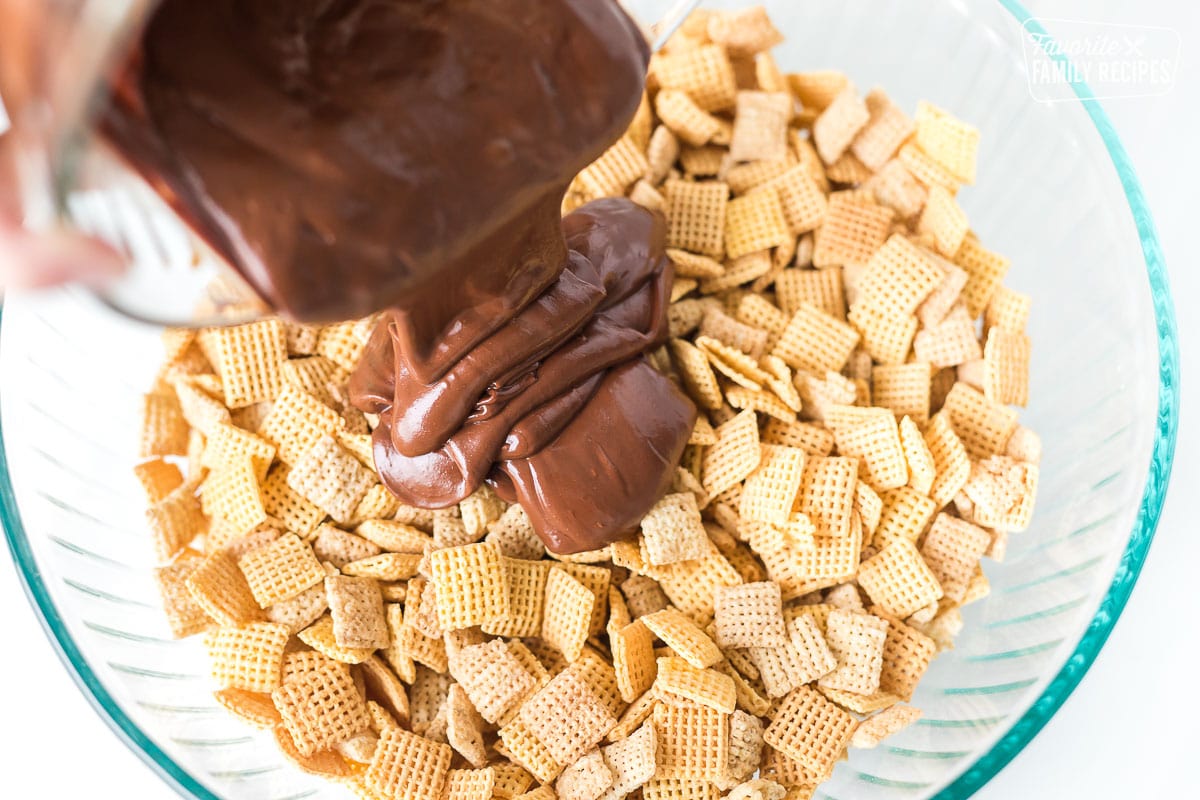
690	265
952	143
298	612
321	709
648	197
874	438
567	613
723	328
174	521
696	212
252	708
704	73
633	659
1008	310
567	716
887	128
678	679
638	712
691	585
599	674
249	657
470	784
743	269
285	504
220	588
464	727
297	422
158	479
643	595
319	636
687	120
409	767
983	426
925	169
510	780
905	515
745	745
702	161
281	570
232	494
743	33
340	548
184	614
886	723
693	742
587	779
839	123
344	342
906	655
683	636
1002	491
470	585
827	493
227	444
903	388
951	463
596	580
949	343
735	455
952	549
985	270
632	761
770	491
673	530
817	89
513	533
661	154
356	607
895	187
744	178
164	428
331	478
249	358
696	371
612	173
1006	367
1024	445
760	126
810	729
780	382
802	568
313	376
856	641
813	440
898	579
816	660
526	598
750	615
815	341
804	204
851	233
944	219
384	567
820	288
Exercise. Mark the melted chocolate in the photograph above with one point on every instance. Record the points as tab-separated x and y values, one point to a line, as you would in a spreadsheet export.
352	155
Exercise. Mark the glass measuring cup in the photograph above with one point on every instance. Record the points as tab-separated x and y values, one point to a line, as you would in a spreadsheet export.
69	177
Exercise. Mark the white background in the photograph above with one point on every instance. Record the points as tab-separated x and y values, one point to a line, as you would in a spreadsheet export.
1128	731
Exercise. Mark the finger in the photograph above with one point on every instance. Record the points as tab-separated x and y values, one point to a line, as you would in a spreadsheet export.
34	261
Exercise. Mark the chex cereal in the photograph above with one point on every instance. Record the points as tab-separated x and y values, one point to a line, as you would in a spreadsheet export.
856	462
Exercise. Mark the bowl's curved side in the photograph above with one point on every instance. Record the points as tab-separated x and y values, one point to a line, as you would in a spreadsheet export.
1159	470
68	652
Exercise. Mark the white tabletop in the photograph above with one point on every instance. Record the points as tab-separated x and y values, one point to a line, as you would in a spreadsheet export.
1127	731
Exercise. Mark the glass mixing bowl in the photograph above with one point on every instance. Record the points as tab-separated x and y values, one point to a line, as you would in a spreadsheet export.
1055	192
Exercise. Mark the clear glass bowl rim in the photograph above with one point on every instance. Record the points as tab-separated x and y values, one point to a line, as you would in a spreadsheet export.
1007	747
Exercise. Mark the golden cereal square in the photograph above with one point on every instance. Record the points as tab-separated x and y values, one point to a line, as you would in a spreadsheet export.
688	121
331	479
220	588
899	580
406	766
856	641
673	530
684	636
356	607
184	614
693	742
827	493
321	709
820	288
158	478
174	521
851	233
164	428
281	570
470	585
815	341
567	613
697	216
249	358
526	598
810	729
705	73
297	422
679	683
567	716
249	657
770	491
886	129
760	126
633	659
750	615
736	454
839	123
951	142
